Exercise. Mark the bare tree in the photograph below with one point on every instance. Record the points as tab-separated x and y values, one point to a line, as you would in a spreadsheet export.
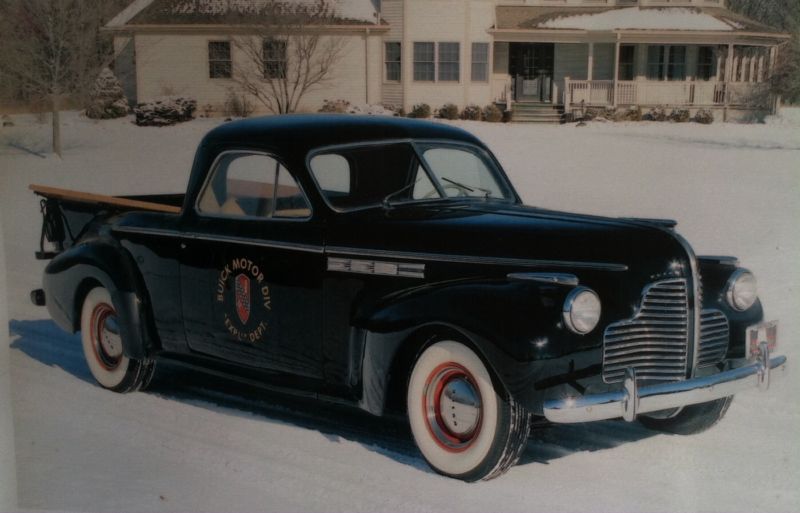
52	49
286	53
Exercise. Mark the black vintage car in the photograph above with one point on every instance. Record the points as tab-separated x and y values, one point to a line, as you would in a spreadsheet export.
390	264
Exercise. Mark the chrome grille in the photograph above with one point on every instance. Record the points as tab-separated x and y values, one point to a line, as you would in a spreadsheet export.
655	341
714	336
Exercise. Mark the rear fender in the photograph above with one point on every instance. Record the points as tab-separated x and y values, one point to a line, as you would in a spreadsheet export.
70	276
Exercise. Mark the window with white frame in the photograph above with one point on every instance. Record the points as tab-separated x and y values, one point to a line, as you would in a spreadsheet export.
676	68
627	60
705	63
219	59
480	62
425	62
274	53
392	60
449	62
655	62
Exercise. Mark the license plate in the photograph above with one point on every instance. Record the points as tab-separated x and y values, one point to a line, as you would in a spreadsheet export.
758	333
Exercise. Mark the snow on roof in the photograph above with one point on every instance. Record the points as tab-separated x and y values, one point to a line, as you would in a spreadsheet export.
168	12
128	13
668	18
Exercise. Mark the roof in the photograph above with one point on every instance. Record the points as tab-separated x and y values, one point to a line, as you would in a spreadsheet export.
303	132
242	12
626	18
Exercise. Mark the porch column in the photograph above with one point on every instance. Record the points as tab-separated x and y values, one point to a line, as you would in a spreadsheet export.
616	69
728	80
590	64
773	55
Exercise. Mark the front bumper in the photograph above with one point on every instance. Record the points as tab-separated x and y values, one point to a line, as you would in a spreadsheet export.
632	400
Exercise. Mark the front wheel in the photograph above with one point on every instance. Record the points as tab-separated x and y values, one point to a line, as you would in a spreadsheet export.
690	419
464	428
102	346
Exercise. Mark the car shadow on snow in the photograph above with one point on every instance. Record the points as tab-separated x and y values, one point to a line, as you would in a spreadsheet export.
43	341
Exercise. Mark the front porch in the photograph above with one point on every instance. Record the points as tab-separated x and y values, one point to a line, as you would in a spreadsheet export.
574	76
637	55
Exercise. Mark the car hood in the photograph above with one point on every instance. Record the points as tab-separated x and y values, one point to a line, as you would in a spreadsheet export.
507	231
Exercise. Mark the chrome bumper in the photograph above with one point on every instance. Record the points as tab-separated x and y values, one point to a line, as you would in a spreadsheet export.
632	400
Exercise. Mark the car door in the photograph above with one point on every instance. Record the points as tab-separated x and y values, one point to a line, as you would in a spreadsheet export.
252	268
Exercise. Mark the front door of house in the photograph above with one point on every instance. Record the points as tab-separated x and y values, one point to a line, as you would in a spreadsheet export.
532	68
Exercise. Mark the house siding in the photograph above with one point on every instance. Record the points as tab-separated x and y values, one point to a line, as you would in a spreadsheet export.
169	64
467	22
393	13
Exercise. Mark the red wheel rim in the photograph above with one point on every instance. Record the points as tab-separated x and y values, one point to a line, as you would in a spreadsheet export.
106	345
452	407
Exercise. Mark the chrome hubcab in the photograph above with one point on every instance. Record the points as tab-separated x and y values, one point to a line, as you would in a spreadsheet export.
452	406
105	337
460	407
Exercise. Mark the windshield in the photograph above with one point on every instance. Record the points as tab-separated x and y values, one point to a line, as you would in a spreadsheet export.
355	177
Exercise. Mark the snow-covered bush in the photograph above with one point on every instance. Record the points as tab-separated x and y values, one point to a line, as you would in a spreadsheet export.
704	116
238	106
471	113
397	109
6	119
334	106
628	114
448	111
106	98
165	111
370	110
492	113
680	116
655	114
420	110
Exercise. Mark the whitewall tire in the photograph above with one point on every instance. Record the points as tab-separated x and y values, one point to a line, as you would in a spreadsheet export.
464	428
102	346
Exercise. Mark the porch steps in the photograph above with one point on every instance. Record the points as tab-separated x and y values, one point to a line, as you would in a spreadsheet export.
536	113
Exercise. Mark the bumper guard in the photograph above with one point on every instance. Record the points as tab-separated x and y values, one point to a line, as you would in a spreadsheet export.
632	400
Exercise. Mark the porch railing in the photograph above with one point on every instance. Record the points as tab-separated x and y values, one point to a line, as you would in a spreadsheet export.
600	93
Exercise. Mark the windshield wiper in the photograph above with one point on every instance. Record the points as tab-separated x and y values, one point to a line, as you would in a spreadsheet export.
487	193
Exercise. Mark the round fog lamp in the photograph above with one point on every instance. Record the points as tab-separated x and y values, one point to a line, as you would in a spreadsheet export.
741	291
581	310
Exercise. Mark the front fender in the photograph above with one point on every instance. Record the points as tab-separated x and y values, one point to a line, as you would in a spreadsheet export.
514	326
71	274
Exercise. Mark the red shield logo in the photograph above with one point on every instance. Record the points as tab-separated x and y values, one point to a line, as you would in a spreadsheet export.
243	298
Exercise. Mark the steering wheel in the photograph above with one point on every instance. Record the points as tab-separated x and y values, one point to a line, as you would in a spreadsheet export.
461	192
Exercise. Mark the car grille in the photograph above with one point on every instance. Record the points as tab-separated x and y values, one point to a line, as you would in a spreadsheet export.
655	341
714	336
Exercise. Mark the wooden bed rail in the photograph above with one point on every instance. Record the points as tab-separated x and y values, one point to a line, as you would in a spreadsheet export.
99	199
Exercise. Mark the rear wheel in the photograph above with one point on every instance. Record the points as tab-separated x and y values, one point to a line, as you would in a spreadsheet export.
102	346
464	428
690	419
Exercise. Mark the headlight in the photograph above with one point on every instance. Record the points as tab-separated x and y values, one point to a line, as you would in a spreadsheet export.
581	310
741	290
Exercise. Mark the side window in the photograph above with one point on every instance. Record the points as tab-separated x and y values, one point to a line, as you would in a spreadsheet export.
332	172
252	185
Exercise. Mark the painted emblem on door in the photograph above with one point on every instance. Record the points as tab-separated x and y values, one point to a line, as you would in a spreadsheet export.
243	298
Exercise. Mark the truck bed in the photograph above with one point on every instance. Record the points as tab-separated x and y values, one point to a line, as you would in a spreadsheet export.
165	203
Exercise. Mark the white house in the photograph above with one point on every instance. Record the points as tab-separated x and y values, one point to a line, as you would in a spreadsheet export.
557	55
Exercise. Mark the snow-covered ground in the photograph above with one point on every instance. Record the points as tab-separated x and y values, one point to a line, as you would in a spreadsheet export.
199	443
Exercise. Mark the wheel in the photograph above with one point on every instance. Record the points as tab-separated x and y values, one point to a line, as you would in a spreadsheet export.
464	428
102	346
690	419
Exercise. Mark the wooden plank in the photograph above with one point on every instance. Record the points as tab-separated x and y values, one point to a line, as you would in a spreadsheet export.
99	199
